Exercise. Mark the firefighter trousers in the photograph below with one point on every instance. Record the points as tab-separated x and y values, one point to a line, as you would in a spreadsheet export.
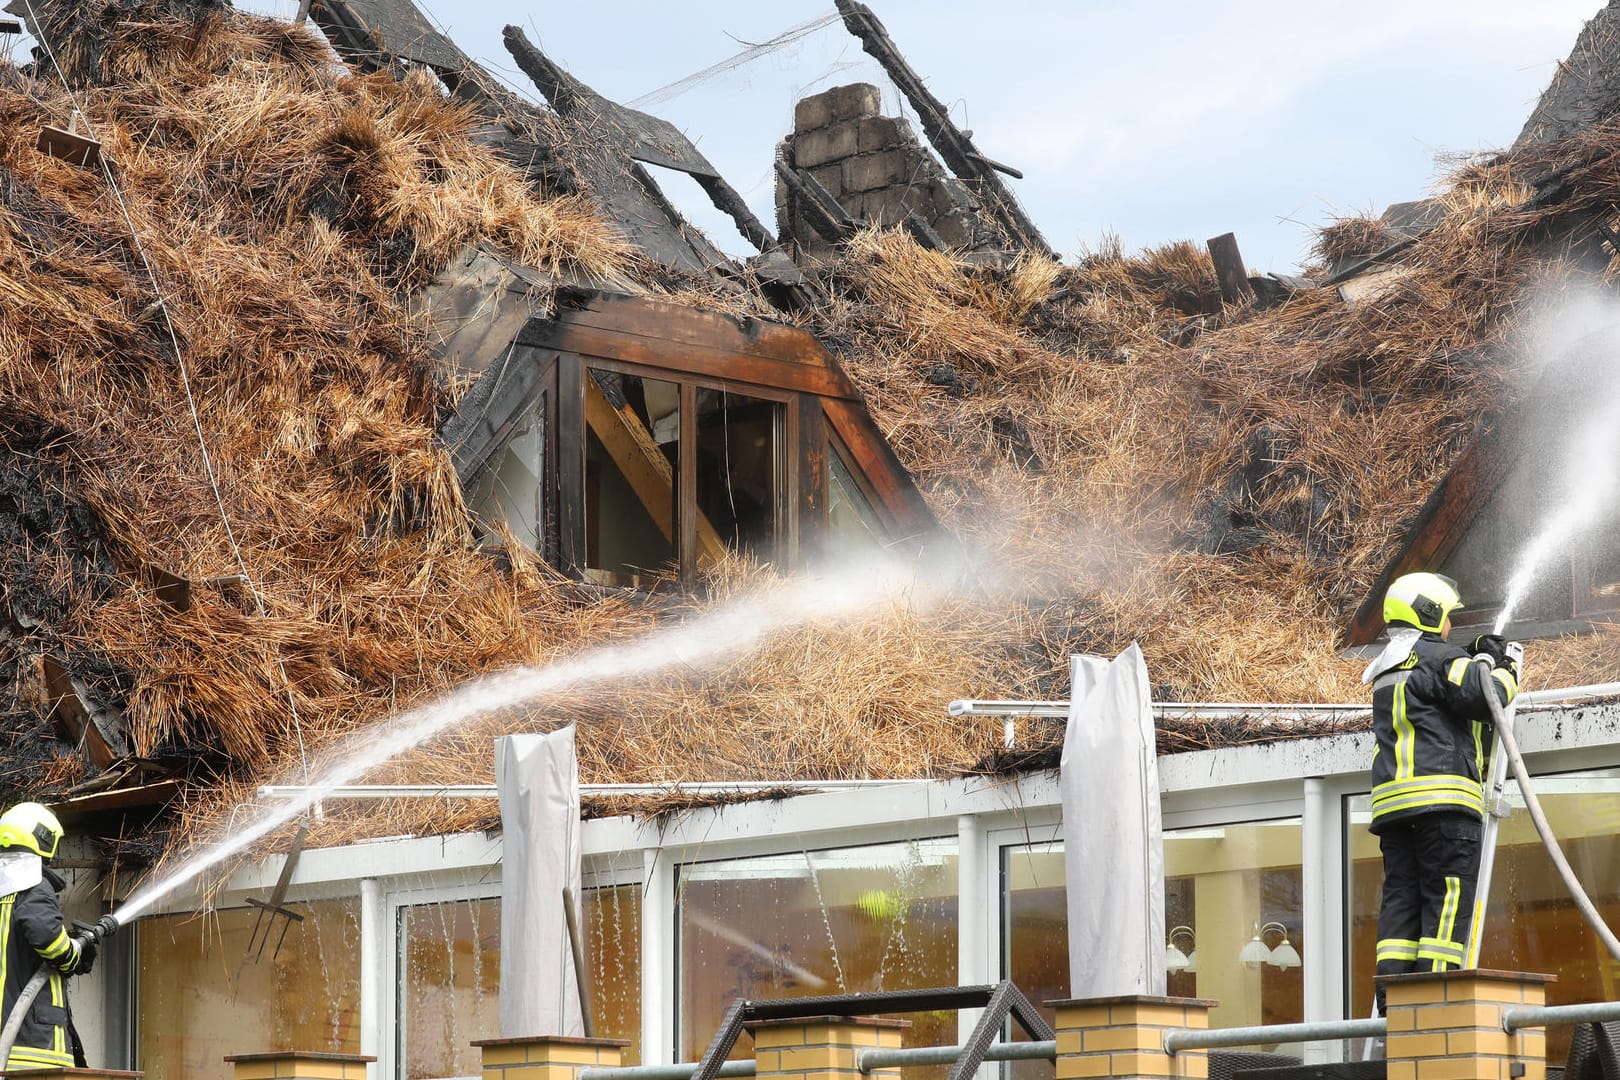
1431	863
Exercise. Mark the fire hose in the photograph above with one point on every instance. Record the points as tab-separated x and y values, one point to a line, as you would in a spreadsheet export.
1510	746
104	928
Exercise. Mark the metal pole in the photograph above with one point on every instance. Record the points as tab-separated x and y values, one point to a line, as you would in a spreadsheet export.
1185	1039
881	1058
681	1071
488	791
373	927
1496	808
571	917
1228	709
1545	1015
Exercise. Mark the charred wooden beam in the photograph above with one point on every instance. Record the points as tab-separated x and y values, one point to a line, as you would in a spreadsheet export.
727	200
626	191
640	136
820	209
100	732
1229	269
954	145
922	232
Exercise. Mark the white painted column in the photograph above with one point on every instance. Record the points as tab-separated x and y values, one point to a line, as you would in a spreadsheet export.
972	957
658	988
1322	896
374	937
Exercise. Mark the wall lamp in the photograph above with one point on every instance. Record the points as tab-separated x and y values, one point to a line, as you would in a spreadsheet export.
1256	952
1176	961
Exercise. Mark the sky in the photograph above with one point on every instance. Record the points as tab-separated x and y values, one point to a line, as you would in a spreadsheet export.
1151	120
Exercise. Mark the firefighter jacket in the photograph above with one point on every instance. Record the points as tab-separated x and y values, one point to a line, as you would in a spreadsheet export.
32	934
1430	717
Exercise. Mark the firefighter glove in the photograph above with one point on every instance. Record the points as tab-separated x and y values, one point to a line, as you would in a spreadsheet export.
1491	645
87	957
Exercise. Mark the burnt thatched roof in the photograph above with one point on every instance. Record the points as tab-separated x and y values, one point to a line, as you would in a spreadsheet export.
214	385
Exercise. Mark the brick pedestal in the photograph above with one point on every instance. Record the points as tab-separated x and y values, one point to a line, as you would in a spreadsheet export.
548	1057
77	1074
1123	1037
296	1065
822	1047
1448	1026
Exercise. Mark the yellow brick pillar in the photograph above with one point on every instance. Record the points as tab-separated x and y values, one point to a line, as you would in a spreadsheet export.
1123	1037
299	1065
548	1057
822	1047
1448	1026
77	1074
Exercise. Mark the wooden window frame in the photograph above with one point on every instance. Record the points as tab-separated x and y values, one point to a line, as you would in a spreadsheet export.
787	450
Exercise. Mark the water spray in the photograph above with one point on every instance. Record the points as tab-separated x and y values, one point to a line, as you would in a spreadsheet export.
1596	448
732	628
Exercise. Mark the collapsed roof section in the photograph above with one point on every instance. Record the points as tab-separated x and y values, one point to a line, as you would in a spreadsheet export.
568	156
1585	88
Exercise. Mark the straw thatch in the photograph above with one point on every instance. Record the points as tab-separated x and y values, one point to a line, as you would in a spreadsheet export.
1122	458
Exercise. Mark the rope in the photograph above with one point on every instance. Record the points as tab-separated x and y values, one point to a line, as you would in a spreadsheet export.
180	363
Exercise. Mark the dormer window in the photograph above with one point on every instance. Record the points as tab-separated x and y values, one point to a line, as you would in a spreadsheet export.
652	440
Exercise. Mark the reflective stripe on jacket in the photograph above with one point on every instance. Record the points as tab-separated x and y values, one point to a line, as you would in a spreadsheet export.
1430	717
32	934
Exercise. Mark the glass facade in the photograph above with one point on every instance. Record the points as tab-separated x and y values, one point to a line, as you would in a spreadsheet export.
866	918
807	923
1531	923
449	977
206	989
612	918
1225	888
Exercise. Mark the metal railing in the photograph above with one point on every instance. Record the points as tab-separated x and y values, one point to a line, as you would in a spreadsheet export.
1544	1015
1175	1041
660	1072
1315	1031
881	1058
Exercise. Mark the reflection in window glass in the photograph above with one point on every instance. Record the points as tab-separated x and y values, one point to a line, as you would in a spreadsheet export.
881	917
1035	936
449	982
1531	924
1226	884
738	473
852	527
1223	884
632	459
511	487
203	994
612	918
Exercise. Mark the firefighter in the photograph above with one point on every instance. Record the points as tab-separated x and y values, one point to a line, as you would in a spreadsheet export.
1432	723
32	934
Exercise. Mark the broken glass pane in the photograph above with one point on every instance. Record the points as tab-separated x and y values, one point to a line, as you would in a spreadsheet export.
632	459
739	470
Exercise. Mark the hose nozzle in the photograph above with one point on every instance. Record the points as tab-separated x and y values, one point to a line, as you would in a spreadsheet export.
99	931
